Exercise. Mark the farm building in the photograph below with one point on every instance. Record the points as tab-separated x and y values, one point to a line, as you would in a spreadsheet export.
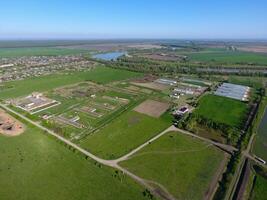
233	91
181	111
34	102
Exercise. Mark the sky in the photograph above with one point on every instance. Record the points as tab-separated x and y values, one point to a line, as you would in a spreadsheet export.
115	19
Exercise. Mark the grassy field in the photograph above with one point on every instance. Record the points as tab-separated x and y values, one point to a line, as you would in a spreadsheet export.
260	189
35	166
185	166
128	131
222	110
99	74
37	51
259	146
255	82
229	57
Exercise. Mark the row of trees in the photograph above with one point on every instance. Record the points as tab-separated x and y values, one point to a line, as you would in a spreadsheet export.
230	133
146	65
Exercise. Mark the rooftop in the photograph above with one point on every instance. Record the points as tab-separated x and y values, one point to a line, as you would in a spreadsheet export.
238	92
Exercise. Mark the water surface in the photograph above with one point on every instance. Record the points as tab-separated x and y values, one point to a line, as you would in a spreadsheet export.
109	56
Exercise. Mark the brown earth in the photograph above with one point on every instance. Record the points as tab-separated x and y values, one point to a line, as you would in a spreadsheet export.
153	85
256	49
152	108
9	126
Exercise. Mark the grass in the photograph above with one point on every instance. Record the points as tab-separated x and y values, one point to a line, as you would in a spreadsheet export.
259	146
101	75
260	188
128	131
36	166
229	57
185	166
222	110
255	82
37	51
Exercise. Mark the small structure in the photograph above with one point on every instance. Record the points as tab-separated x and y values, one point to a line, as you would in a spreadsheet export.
181	111
185	91
175	95
35	102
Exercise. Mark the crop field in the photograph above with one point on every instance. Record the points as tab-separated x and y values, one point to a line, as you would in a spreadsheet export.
179	163
37	51
228	57
128	131
35	166
222	110
99	74
259	190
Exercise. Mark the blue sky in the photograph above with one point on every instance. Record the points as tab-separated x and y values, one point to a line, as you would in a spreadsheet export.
213	19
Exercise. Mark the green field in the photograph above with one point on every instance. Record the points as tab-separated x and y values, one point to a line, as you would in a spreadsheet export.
99	74
128	131
38	51
255	82
35	166
222	110
260	189
228	57
259	147
185	166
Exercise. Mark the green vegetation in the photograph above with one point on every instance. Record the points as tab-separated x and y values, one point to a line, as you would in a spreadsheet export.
260	188
99	74
255	82
259	146
128	131
71	107
37	51
259	191
36	166
185	166
218	118
228	176
228	57
222	110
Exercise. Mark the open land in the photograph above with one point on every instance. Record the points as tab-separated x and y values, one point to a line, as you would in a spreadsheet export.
99	108
36	51
152	108
259	190
129	130
10	126
38	167
100	75
222	110
180	163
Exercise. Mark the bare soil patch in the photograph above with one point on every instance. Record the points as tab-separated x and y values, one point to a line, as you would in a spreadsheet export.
152	108
9	126
153	85
256	49
145	79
